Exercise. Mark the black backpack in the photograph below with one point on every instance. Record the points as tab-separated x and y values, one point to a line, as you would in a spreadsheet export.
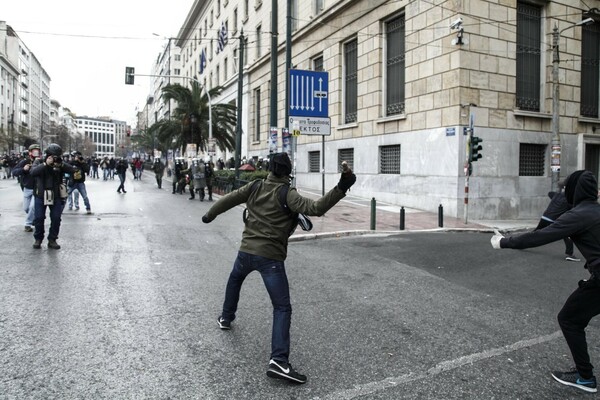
298	218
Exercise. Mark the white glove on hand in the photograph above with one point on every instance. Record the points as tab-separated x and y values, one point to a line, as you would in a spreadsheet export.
496	239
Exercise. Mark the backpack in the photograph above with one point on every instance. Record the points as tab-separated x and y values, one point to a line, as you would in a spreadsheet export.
298	218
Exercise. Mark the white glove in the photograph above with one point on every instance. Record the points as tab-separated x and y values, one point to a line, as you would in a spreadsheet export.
496	239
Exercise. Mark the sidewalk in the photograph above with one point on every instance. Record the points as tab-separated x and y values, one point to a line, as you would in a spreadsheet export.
352	216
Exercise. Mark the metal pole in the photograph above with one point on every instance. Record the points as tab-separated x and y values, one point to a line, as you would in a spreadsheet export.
556	150
441	216
373	213
402	218
288	66
323	165
273	112
238	127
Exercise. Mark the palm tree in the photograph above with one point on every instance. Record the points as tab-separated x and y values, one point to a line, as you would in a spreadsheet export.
192	112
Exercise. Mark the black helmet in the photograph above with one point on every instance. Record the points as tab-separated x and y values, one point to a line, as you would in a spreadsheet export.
54	150
280	164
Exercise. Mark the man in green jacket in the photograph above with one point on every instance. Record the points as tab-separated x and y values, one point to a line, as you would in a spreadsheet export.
264	249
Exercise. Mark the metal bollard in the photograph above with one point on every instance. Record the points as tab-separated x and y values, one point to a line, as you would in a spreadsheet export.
402	217
441	216
373	208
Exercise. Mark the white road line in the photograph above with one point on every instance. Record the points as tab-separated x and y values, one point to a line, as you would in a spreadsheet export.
372	387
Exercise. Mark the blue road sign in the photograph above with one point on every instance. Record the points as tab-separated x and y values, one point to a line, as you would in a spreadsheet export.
309	93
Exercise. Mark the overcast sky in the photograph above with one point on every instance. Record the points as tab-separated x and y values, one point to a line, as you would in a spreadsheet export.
85	46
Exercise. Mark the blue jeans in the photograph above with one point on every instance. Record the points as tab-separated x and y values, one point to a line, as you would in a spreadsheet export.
80	187
40	216
276	282
28	206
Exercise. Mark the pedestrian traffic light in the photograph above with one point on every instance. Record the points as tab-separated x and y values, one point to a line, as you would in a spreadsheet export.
129	75
475	149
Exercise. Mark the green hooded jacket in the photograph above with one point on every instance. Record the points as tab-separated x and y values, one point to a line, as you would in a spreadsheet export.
267	229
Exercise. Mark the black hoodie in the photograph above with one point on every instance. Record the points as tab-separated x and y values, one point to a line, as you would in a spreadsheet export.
581	223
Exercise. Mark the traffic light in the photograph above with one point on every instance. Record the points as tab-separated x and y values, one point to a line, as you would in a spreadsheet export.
475	149
129	75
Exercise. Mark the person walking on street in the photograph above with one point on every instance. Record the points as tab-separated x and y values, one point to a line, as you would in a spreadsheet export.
582	225
557	207
264	249
121	169
48	193
23	171
159	169
77	181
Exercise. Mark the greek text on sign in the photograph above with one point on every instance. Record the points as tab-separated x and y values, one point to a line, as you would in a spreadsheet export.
309	93
311	125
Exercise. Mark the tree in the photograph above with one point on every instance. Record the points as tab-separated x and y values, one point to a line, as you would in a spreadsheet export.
192	112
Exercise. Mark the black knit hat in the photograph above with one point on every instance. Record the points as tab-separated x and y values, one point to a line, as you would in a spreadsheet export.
280	164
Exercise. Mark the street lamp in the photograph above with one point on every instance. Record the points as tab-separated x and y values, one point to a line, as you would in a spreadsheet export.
556	148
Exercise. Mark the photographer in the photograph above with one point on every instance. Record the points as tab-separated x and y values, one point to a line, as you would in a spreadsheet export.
22	170
77	181
48	175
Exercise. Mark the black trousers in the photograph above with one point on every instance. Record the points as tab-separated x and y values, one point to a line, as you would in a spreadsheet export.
568	242
581	306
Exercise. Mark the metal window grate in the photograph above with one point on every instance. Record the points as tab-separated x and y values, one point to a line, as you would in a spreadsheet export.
590	72
529	26
345	155
395	71
314	161
351	81
532	159
389	159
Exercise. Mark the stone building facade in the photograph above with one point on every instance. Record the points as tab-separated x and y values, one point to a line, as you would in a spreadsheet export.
406	78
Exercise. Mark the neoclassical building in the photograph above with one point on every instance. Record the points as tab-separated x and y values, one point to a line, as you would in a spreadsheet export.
405	81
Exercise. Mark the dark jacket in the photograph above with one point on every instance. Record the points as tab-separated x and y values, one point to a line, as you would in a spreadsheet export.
19	170
267	229
121	167
81	168
557	207
49	177
581	224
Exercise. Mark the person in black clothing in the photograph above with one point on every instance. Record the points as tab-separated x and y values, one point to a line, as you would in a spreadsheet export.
48	175
557	207
22	171
582	224
121	169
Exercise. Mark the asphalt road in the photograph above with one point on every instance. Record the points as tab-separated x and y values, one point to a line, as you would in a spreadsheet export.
127	309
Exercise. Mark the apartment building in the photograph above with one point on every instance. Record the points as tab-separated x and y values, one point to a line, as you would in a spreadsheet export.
9	87
166	70
101	132
406	79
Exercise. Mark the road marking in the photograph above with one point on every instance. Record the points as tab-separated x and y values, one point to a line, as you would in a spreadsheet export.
372	387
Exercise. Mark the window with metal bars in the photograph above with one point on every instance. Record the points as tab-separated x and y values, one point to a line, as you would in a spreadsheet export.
590	70
314	163
395	66
350	81
389	159
345	155
529	26
532	159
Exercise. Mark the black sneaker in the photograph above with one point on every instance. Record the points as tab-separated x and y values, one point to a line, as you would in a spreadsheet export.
283	370
223	323
572	378
37	244
572	258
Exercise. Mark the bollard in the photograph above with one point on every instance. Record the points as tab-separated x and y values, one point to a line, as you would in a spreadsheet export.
373	204
402	215
441	216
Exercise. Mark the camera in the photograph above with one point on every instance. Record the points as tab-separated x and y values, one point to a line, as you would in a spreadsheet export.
456	23
57	159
